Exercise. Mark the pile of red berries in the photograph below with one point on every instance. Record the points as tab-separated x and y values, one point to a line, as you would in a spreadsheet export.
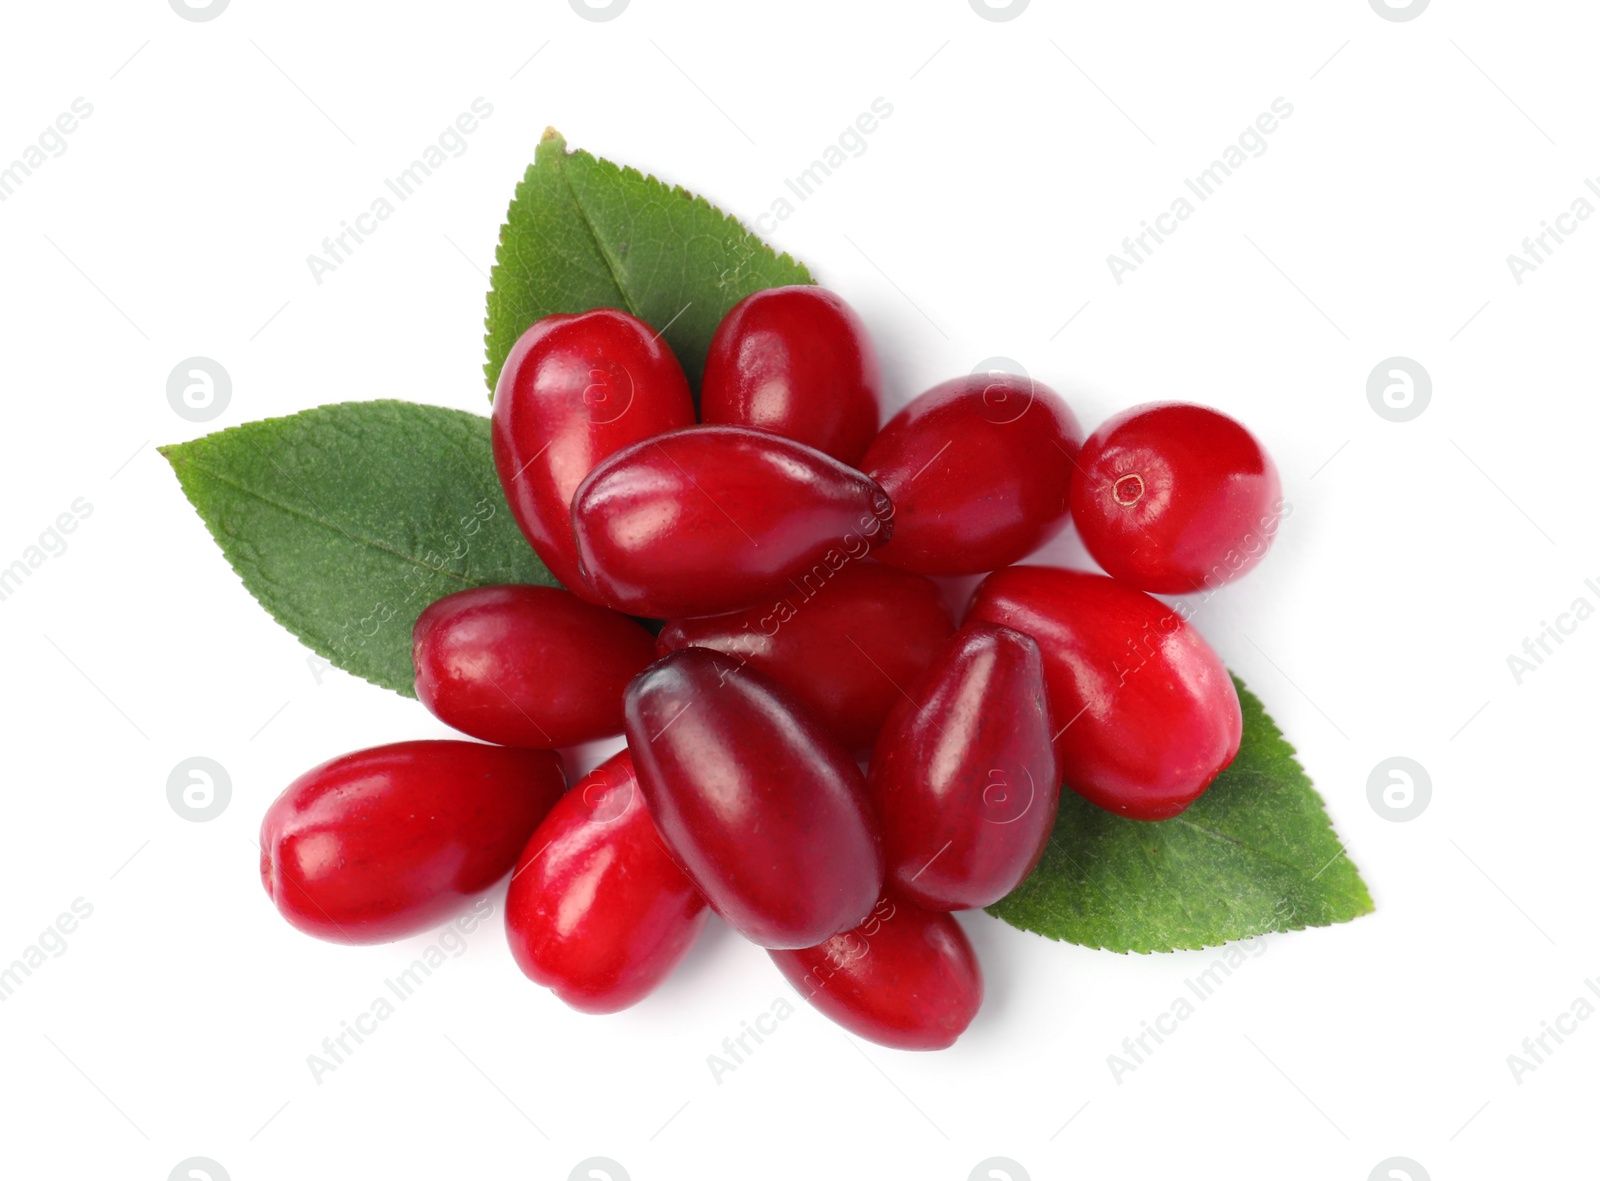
787	542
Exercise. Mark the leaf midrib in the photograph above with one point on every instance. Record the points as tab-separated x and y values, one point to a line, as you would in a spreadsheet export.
1229	840
296	511
594	236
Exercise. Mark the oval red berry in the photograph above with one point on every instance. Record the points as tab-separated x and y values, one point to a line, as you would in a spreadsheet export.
527	665
1146	714
384	843
964	774
905	978
573	390
978	470
597	910
795	361
765	810
717	518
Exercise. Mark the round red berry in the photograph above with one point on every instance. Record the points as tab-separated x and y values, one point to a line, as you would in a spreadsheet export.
1171	497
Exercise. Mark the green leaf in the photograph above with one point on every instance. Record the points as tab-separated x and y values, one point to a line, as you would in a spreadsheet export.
585	233
1255	853
346	521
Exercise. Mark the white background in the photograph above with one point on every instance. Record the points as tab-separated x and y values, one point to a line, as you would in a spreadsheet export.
1019	154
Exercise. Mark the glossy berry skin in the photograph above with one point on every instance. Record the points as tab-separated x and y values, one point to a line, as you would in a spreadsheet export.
843	647
1146	714
906	978
964	775
527	665
597	911
1171	497
383	843
978	469
573	390
718	518
763	808
795	361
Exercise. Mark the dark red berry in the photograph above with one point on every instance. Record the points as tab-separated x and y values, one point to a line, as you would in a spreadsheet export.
1171	498
383	843
844	645
795	361
964	775
598	911
527	665
718	518
978	471
905	978
764	809
1146	714
573	390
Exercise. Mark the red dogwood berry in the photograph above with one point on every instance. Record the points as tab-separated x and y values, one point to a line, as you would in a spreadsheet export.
1171	498
716	518
1146	714
964	774
844	644
597	911
795	361
764	809
573	390
978	471
905	978
383	843
527	665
